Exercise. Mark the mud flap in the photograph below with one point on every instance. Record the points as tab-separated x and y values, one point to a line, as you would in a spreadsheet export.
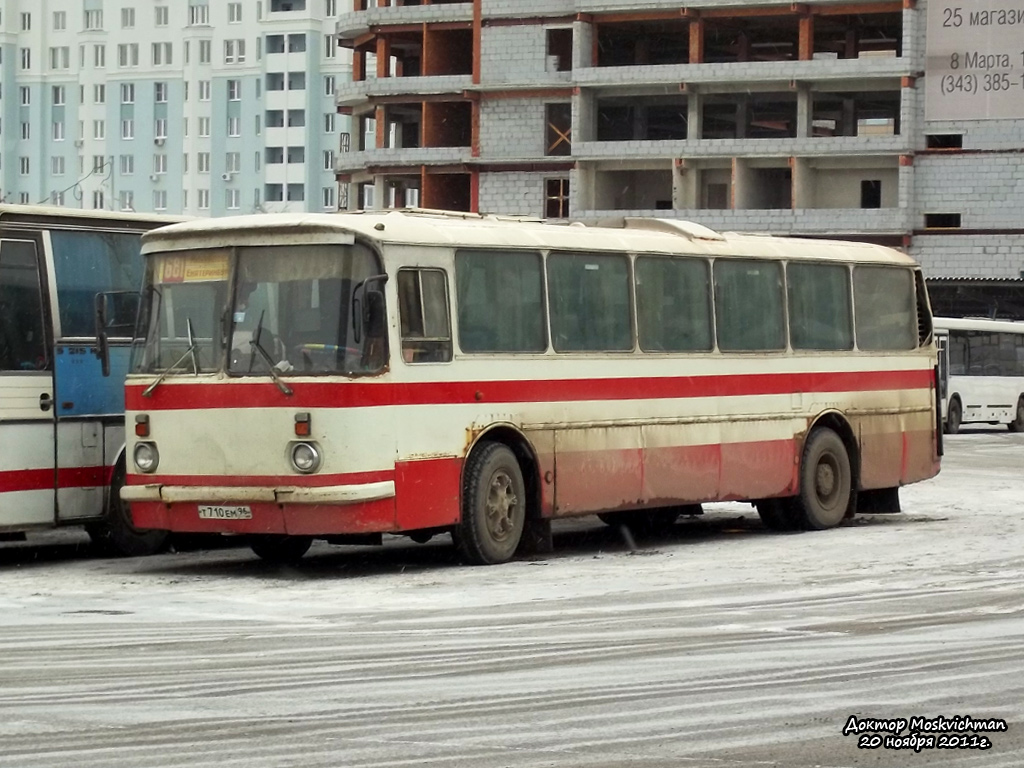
879	501
537	539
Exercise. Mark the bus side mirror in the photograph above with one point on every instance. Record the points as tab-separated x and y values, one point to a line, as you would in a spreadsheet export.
375	318
116	312
102	348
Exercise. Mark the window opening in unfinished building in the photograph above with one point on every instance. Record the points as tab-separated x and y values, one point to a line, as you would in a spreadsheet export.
559	50
556	198
871	193
559	129
944	140
942	221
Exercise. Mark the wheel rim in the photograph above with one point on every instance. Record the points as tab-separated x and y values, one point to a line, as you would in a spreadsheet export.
500	507
827	484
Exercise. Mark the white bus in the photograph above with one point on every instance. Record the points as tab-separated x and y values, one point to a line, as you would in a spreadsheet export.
61	419
981	372
341	376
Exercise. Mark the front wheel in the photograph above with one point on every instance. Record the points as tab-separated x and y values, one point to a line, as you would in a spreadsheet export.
116	534
826	481
1017	425
280	549
493	506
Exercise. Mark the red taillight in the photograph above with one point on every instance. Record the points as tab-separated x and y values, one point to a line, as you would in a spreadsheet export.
142	425
303	425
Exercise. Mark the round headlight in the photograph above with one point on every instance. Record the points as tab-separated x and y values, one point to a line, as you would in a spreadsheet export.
305	457
146	457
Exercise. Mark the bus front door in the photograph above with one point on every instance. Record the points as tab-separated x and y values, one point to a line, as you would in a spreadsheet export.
27	451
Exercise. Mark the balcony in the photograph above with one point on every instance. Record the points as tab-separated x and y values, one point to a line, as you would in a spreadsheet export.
390	157
356	23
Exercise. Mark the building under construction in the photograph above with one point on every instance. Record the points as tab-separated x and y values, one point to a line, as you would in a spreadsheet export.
780	117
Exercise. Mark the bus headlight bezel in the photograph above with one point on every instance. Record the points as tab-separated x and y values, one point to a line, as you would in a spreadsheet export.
146	457
305	456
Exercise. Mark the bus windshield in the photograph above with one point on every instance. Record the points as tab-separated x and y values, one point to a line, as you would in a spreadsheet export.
290	308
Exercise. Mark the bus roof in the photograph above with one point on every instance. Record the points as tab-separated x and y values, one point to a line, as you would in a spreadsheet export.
48	214
978	324
421	227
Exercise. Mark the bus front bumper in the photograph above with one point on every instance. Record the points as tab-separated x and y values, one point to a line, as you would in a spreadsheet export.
329	494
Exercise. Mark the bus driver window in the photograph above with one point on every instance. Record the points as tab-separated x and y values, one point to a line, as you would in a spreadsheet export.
423	304
21	311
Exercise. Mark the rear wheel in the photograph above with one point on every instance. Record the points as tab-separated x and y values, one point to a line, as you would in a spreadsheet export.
493	506
116	535
826	481
1017	425
280	549
954	415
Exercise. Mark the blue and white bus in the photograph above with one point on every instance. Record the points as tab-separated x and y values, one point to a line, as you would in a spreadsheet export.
61	419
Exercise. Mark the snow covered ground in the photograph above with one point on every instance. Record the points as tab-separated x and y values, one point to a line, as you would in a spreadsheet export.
717	645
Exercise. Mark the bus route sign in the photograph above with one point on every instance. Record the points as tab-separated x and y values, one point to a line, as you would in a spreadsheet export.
975	60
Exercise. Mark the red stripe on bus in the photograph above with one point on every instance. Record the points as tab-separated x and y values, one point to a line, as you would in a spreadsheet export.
264	394
43	479
247	481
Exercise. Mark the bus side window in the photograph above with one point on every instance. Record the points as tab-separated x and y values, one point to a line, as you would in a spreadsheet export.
423	307
22	347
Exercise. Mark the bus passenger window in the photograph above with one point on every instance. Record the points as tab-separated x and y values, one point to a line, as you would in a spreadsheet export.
500	301
21	312
884	302
673	301
588	295
749	305
423	306
819	306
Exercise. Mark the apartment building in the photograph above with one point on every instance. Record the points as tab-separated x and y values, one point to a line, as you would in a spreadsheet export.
789	118
201	107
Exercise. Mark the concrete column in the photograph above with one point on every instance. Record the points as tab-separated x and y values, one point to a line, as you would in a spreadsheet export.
803	182
582	45
685	185
804	111
584	116
742	184
694	115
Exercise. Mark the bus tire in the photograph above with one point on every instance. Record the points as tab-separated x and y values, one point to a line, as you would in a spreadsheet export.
1017	425
116	535
280	549
826	481
954	416
777	514
493	506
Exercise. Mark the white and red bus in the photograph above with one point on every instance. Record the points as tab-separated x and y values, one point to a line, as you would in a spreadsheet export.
61	416
341	376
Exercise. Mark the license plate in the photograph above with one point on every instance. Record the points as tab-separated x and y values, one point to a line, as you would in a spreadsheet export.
209	512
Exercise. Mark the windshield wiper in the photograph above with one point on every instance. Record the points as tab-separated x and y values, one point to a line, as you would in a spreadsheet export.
255	346
266	358
190	352
192	346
